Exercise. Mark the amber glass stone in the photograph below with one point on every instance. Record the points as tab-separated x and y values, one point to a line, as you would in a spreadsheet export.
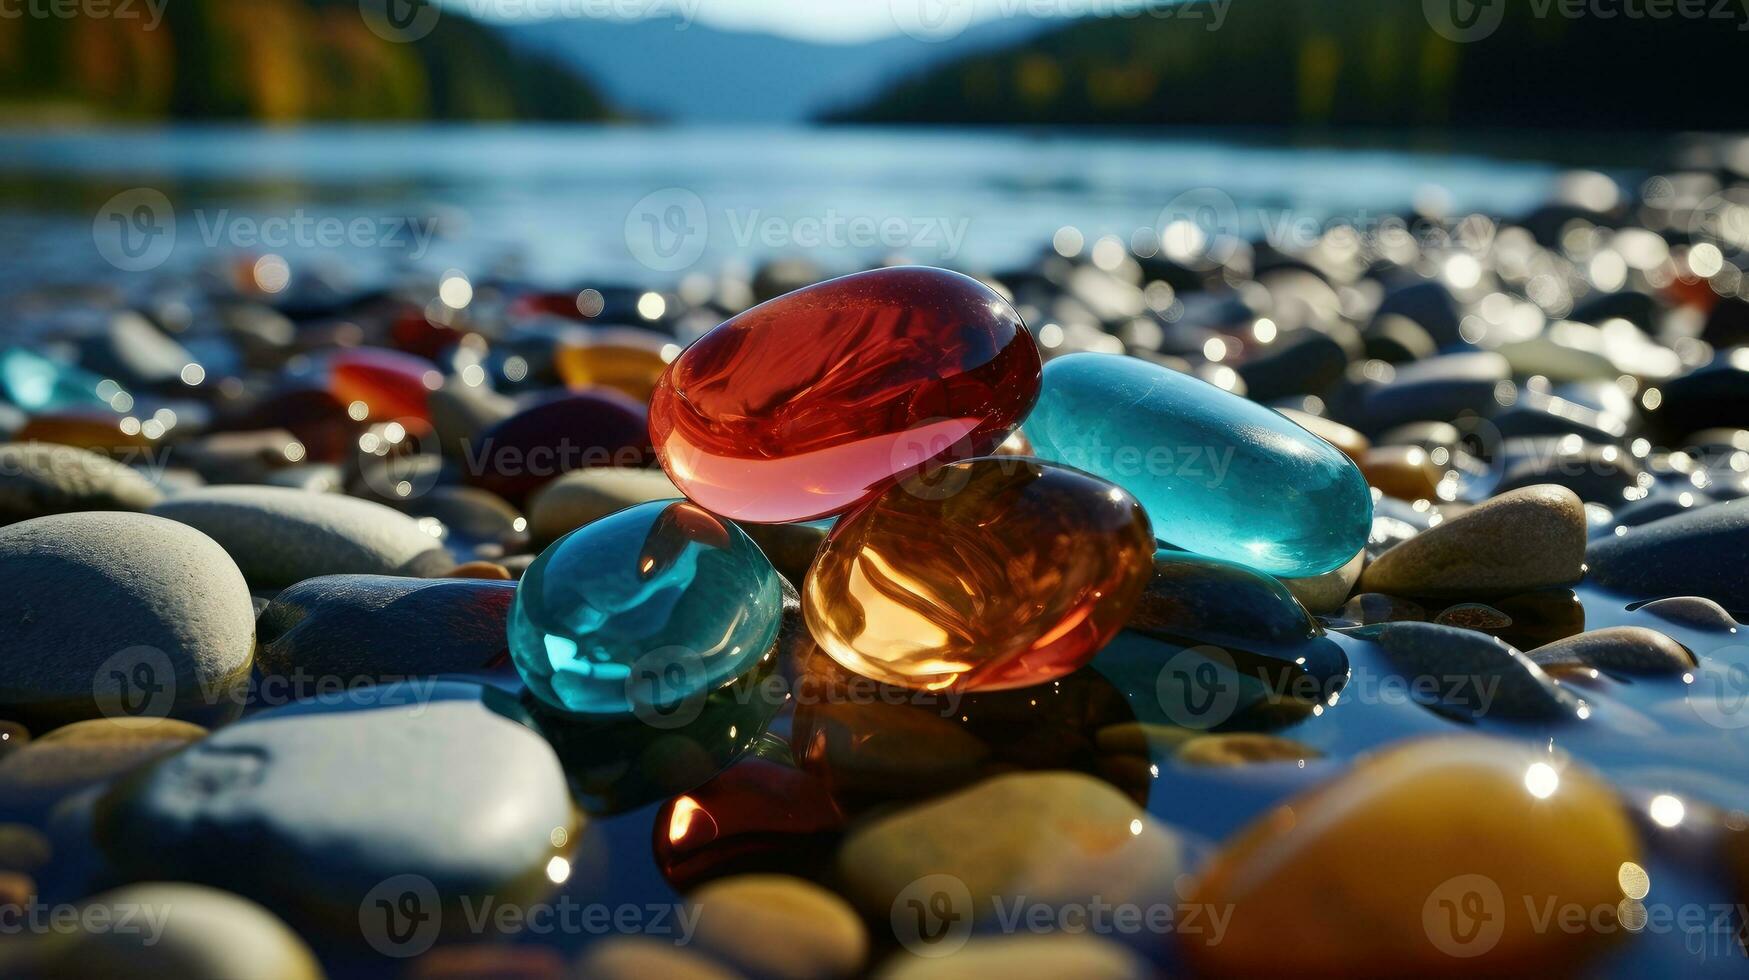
987	574
802	406
625	359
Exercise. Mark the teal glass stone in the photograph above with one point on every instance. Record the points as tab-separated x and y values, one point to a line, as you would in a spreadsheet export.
1218	474
38	384
643	610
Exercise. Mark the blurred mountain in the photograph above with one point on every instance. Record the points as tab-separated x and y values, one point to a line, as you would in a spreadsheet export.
1348	62
672	69
274	61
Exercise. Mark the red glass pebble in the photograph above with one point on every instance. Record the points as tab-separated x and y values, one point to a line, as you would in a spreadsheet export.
525	451
802	406
757	815
390	384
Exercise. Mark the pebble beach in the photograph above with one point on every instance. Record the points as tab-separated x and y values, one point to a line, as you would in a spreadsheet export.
1360	600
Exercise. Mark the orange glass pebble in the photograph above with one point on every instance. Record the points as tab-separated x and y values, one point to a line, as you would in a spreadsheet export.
982	575
625	359
803	406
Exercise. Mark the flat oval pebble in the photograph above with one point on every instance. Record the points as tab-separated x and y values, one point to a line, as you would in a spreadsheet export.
1047	956
802	406
1243	749
38	479
779	927
1468	675
1693	611
1699	553
279	536
438	780
639	958
1621	649
989	574
1050	838
1519	541
119	614
1432	859
1218	475
582	496
81	755
644	609
171	929
351	628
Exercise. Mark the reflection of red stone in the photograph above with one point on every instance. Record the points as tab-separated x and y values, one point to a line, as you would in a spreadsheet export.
800	407
757	815
869	743
416	334
522	453
390	384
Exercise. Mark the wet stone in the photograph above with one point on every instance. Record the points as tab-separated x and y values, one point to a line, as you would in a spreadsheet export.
762	814
197	933
1471	676
279	536
40	479
1691	611
1064	838
1620	649
1473	616
1694	554
1243	749
1042	956
362	628
1327	592
81	755
779	927
1356	870
452	786
1528	539
638	958
583	496
530	449
175	635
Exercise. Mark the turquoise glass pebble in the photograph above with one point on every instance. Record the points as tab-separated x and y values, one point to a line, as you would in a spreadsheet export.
38	384
650	607
1218	474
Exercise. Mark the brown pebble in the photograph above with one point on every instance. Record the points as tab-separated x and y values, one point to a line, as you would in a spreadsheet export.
23	849
779	927
1527	539
635	958
82	754
1242	749
1693	611
1352	443
1403	472
490	571
480	962
1625	649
